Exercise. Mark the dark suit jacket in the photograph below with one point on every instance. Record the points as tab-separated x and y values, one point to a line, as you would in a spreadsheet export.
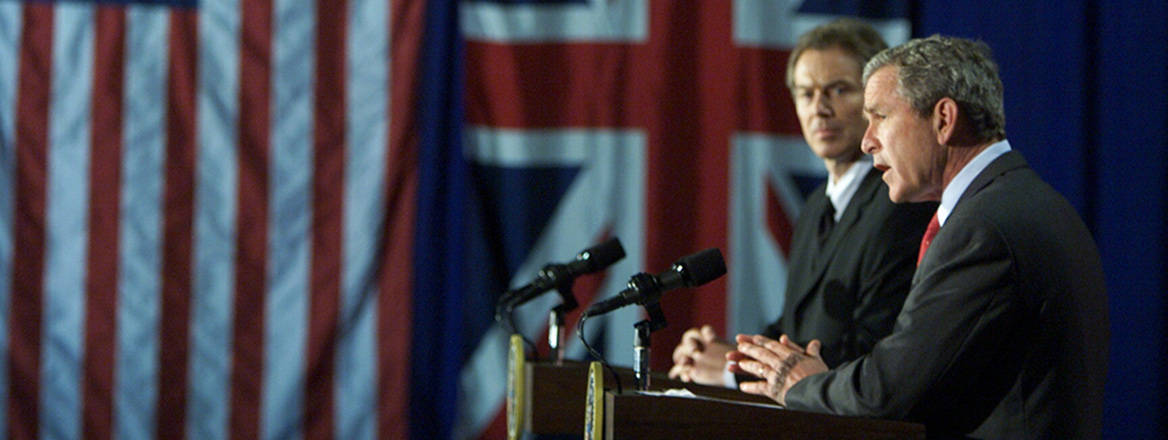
1005	331
848	292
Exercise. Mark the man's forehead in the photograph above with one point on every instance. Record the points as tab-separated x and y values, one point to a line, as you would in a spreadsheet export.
883	73
827	65
881	84
803	78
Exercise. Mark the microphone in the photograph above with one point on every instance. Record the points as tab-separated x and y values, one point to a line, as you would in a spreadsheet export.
689	271
589	260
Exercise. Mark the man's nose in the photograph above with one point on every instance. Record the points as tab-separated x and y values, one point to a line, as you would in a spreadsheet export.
869	144
868	147
822	104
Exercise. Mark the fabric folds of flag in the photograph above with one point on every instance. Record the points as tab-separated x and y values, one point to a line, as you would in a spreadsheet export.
291	219
206	209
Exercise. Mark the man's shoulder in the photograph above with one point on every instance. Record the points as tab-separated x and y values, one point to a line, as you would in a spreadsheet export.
1016	192
1024	212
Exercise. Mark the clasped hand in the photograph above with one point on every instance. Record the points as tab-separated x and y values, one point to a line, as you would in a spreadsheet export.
781	364
700	357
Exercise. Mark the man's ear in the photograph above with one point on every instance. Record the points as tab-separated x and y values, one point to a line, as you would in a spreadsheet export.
945	120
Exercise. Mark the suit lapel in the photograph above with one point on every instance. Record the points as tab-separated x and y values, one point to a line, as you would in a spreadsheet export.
821	258
804	249
1005	163
868	189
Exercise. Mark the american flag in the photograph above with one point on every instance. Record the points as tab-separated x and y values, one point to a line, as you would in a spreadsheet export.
282	219
206	207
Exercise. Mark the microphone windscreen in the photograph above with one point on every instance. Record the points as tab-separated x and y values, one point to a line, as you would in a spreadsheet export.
703	267
602	255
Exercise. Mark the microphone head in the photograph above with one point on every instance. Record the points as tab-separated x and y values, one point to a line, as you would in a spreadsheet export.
601	256
702	267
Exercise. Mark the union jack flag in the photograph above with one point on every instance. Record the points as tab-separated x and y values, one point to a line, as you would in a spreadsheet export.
666	124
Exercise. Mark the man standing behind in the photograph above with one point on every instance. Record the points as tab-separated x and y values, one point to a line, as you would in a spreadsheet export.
1005	331
853	251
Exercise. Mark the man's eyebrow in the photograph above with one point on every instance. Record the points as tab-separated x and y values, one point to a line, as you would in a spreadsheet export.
833	83
841	81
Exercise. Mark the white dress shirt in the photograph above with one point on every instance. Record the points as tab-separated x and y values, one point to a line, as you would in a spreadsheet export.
840	192
961	181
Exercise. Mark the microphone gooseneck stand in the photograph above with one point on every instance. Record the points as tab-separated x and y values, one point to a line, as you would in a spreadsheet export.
504	314
556	330
641	341
558	276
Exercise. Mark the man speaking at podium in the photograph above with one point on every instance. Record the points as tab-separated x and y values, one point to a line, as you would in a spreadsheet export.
1005	331
853	251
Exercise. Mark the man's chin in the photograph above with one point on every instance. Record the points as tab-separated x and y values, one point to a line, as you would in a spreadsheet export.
828	150
896	192
899	194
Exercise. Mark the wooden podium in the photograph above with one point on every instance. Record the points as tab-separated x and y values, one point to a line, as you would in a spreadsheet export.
577	399
552	399
650	417
654	415
562	401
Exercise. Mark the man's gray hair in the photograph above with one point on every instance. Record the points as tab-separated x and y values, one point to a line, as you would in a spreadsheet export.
938	67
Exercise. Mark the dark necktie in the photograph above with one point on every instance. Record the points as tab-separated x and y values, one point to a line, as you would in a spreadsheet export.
826	222
930	232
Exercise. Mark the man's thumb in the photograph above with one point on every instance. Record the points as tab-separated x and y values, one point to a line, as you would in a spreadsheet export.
813	348
708	333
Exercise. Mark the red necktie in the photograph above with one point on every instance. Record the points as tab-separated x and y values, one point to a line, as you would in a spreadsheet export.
930	232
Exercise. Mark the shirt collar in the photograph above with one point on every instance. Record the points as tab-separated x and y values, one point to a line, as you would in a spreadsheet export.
961	181
840	192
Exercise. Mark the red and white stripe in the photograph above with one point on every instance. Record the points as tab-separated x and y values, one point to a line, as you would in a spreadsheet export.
206	218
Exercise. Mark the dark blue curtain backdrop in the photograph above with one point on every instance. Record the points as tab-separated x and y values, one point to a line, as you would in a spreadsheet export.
439	253
1087	104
